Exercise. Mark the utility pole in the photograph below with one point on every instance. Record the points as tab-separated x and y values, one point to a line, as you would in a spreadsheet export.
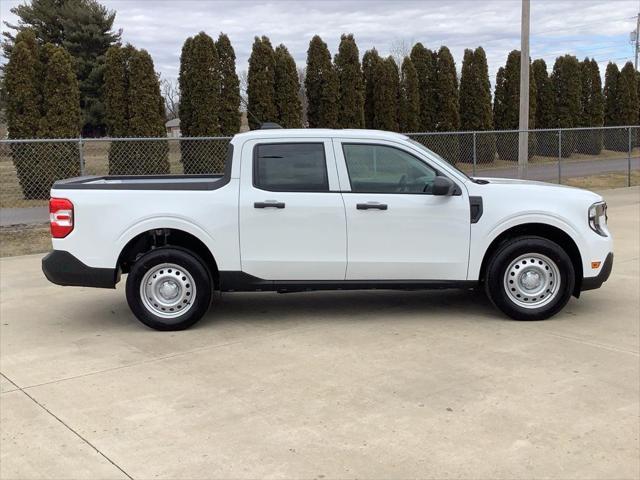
635	41
523	135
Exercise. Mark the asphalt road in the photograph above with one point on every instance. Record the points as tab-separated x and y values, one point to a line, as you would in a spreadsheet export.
544	172
323	385
549	172
23	216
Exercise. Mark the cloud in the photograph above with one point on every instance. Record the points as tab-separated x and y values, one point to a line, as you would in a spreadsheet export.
585	28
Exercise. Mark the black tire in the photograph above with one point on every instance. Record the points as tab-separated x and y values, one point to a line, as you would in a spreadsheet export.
501	275
185	310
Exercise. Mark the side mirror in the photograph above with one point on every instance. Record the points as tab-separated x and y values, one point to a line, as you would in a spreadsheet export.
442	186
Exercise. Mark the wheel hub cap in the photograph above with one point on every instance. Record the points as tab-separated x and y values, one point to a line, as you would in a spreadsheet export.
167	290
532	280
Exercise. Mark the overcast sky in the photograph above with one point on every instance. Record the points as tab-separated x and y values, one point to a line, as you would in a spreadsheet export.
597	29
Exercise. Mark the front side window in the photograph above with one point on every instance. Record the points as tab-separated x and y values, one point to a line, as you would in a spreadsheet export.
383	169
290	167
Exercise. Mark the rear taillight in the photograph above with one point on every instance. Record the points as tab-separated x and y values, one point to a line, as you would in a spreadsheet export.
60	217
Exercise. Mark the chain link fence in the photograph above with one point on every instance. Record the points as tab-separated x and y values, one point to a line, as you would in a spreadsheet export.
588	157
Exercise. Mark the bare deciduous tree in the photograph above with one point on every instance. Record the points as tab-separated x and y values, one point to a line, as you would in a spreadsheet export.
399	49
302	94
243	76
171	97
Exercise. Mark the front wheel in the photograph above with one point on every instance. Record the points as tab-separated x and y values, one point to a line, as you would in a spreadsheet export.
530	278
169	289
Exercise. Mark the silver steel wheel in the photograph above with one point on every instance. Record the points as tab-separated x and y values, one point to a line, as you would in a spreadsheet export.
168	290
532	280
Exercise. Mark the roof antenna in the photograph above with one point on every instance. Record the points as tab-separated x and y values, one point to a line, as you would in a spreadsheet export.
263	125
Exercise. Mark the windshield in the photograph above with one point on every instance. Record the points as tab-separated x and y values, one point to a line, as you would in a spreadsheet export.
434	154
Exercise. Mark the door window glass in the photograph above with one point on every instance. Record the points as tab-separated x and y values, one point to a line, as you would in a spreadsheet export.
383	169
290	167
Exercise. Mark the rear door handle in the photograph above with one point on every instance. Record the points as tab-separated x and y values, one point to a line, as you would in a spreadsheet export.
370	206
268	204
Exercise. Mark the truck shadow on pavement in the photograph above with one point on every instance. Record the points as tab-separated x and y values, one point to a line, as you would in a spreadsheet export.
273	309
337	306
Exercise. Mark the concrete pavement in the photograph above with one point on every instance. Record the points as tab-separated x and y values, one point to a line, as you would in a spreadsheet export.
323	385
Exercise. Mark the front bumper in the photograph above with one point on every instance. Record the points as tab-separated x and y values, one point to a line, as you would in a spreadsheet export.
62	268
591	283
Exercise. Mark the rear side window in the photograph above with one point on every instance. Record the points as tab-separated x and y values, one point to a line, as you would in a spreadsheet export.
290	167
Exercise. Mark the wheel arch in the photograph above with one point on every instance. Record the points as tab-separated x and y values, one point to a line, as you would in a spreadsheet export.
149	240
544	230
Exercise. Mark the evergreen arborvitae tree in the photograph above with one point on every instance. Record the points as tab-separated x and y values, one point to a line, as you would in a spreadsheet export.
261	84
61	118
199	88
321	84
544	94
134	108
447	106
547	141
84	28
566	84
409	114
350	84
200	103
611	78
627	108
184	84
229	92
614	139
287	87
115	91
146	116
425	63
61	114
628	95
23	109
385	91
43	102
370	61
447	93
506	107
592	108
21	82
475	107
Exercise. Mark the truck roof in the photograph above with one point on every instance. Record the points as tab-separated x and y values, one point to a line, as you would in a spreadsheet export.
319	132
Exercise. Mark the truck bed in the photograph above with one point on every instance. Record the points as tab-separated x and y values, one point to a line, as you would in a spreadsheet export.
143	182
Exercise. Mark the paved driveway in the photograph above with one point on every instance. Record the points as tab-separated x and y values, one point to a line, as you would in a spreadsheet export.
323	385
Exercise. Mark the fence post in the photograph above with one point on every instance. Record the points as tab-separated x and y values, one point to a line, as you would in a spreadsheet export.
629	160
81	151
474	155
559	156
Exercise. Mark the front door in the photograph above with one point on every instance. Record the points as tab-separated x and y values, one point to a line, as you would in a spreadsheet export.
398	230
292	218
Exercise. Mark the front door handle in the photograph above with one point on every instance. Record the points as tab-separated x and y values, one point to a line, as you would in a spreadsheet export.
268	204
370	206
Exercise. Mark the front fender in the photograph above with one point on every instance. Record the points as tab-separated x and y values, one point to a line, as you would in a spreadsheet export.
483	235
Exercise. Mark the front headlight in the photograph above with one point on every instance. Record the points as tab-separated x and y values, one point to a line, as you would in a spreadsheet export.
598	218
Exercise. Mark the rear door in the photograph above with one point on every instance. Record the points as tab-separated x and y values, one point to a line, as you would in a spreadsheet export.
398	230
292	217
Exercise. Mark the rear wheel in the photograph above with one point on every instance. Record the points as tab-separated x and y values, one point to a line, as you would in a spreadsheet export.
530	278
169	289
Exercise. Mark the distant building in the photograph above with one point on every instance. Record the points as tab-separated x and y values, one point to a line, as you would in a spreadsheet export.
173	128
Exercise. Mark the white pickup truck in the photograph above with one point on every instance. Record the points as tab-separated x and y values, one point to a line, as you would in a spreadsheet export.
300	210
